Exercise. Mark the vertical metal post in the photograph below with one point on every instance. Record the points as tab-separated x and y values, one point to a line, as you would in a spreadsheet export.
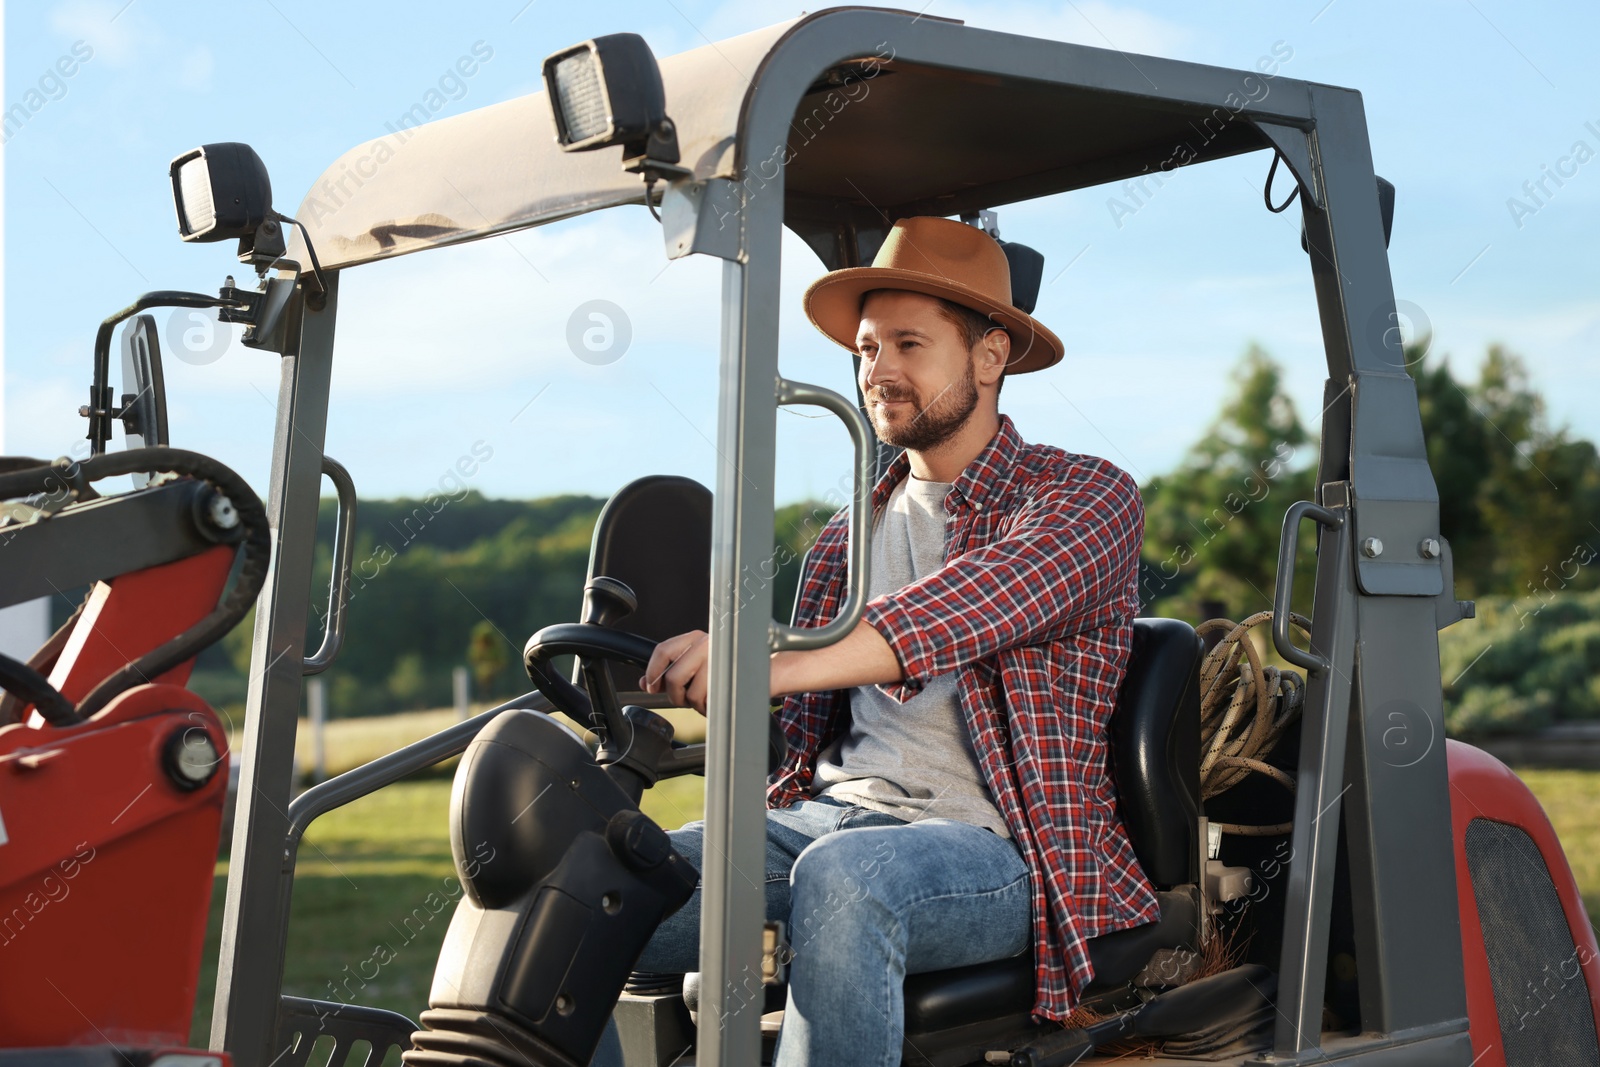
1383	646
1397	811
250	971
1397	823
738	697
1318	792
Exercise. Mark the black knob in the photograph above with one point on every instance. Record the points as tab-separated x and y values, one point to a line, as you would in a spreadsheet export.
636	840
605	600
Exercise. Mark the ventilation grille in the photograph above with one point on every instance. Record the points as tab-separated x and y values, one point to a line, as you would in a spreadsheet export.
1546	1017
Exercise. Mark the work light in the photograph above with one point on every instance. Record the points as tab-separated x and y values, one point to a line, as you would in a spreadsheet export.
221	191
608	91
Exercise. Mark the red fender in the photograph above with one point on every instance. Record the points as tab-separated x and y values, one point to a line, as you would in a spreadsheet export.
1481	787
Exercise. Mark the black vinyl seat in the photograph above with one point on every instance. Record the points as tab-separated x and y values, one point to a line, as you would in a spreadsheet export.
654	534
1155	750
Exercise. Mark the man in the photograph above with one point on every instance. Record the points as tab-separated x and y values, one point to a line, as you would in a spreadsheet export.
945	800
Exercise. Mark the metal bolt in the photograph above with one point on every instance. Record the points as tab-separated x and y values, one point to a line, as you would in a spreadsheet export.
222	513
1372	548
1429	548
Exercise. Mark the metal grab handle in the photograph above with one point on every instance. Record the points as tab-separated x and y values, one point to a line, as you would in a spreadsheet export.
1284	591
372	776
782	636
344	550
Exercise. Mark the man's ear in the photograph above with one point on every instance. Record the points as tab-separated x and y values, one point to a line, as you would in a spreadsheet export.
994	350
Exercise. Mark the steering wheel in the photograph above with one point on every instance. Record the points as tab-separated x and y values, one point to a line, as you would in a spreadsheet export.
645	738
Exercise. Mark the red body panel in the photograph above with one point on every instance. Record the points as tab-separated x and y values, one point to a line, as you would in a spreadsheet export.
133	613
106	862
105	881
1481	787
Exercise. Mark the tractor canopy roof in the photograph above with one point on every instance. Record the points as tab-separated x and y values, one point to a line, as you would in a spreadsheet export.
874	134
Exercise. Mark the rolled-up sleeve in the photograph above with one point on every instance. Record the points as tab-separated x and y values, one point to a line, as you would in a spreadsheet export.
1065	564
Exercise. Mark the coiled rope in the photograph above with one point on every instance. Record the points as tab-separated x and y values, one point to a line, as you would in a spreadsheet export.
1245	705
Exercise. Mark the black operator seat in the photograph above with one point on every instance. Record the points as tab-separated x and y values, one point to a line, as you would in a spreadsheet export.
654	535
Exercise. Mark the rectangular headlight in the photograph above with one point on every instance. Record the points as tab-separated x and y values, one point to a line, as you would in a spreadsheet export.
220	191
580	96
605	92
197	212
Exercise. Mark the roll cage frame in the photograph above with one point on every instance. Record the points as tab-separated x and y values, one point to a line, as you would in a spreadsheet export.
1374	645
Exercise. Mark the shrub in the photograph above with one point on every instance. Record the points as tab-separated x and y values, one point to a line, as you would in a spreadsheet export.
1522	664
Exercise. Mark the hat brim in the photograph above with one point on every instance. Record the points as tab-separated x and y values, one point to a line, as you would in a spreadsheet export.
833	304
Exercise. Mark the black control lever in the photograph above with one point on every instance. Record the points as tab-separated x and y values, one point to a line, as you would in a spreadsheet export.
607	601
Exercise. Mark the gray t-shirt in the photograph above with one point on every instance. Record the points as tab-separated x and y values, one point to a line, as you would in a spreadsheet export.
913	760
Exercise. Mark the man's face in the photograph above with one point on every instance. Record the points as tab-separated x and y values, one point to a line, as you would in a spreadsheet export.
916	370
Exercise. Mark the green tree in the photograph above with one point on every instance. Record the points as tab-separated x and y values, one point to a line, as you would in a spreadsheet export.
1212	525
408	682
1457	440
1519	500
795	530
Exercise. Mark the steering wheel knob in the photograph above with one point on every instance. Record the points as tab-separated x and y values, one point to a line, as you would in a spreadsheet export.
606	600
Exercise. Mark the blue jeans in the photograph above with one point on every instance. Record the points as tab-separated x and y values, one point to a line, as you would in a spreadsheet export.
867	899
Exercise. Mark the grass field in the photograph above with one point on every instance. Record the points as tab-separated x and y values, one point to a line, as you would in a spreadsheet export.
1572	801
378	873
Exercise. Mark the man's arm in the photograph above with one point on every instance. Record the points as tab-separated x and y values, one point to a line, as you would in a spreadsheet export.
1063	565
863	657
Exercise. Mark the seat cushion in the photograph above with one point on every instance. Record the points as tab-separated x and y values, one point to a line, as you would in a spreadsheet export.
938	1000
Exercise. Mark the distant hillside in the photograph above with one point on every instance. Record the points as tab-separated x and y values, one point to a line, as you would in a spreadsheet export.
427	572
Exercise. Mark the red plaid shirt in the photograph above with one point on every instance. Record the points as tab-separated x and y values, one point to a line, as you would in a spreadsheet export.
1034	610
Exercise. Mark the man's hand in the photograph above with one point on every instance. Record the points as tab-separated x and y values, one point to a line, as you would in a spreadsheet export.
678	667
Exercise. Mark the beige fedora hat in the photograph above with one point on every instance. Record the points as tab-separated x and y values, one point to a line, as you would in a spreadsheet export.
943	258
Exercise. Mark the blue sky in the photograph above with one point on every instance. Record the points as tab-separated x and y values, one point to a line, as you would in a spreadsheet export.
1466	101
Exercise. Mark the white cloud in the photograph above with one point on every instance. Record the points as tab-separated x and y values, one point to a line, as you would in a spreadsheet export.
118	36
125	38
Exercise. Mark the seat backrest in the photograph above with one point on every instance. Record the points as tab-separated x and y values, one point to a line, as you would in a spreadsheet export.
655	535
1155	750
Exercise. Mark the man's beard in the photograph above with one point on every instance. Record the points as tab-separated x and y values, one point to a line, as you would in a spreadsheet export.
934	423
